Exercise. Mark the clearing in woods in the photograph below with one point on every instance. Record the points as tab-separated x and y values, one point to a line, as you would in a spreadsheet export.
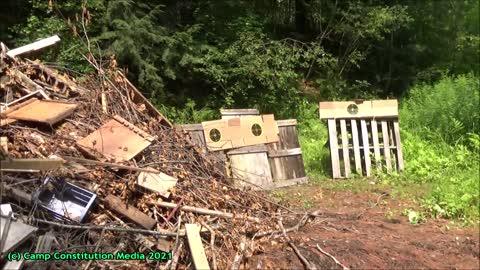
381	238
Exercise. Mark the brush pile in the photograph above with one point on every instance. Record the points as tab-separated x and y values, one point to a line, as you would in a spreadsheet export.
125	217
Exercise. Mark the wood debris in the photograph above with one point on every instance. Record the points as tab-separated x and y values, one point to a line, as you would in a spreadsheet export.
149	179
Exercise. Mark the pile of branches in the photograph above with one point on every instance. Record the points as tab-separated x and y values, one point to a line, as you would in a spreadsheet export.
229	229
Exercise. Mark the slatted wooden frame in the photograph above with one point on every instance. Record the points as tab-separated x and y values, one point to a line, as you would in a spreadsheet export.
359	144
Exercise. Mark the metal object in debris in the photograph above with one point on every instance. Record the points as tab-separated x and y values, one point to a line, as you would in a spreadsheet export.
364	129
44	111
14	233
65	201
117	139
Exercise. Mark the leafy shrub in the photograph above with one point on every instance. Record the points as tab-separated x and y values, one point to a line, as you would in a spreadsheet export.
313	136
446	111
441	144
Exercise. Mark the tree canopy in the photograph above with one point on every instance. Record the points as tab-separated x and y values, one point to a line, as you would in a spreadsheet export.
265	53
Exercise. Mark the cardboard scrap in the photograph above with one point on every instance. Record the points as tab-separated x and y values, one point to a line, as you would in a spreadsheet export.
157	182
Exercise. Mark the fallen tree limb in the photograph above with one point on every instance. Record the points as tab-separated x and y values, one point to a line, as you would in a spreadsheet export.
203	211
333	258
304	260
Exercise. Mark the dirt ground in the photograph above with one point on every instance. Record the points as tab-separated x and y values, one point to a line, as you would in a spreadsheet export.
382	238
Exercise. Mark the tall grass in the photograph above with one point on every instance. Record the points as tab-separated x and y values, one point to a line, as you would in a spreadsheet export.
441	144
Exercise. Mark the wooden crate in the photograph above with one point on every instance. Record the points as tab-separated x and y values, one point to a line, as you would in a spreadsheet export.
363	137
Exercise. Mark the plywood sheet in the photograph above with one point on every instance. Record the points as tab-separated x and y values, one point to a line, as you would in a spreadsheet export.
358	109
44	111
117	139
157	182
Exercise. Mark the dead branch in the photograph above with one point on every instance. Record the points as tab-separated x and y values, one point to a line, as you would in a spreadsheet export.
333	258
305	262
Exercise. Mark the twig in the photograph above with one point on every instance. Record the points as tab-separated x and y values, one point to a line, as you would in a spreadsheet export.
172	212
333	258
378	200
212	243
203	211
305	262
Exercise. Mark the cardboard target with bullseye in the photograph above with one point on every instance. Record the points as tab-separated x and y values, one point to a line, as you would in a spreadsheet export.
239	132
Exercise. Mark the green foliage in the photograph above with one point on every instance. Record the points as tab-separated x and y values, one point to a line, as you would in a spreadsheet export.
441	145
189	114
447	111
313	137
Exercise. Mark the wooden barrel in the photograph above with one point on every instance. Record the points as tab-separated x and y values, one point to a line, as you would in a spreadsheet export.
249	166
231	113
285	156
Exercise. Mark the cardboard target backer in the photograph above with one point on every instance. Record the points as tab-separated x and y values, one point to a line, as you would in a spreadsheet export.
240	131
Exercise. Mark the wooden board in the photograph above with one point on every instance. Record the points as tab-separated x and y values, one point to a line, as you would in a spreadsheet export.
366	147
157	182
117	139
30	164
44	111
132	213
365	109
398	143
346	155
376	145
332	132
196	247
4	144
386	145
16	235
250	165
35	46
356	146
233	113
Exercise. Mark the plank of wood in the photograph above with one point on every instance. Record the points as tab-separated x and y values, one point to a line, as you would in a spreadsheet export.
130	212
376	145
232	113
366	146
398	143
285	152
365	109
332	137
356	146
157	182
35	46
4	144
196	248
17	234
346	154
386	146
30	164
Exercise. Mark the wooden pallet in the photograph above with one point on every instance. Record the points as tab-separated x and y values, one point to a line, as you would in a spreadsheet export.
359	144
